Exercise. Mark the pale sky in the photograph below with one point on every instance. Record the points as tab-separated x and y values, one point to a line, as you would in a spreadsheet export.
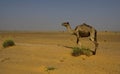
42	15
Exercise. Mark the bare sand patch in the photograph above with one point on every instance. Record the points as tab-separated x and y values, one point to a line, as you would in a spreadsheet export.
35	51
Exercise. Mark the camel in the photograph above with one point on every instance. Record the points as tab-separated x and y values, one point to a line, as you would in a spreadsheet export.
83	30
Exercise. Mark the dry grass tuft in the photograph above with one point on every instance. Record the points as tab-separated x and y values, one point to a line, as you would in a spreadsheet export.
81	51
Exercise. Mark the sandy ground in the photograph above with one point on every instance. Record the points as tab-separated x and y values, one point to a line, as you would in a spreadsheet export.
35	52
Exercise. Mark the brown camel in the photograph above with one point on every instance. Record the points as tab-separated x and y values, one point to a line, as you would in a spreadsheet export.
83	30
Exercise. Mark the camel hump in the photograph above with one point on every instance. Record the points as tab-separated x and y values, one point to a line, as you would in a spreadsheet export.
84	24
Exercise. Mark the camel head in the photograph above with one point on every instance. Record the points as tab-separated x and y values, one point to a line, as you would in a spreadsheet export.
68	27
66	24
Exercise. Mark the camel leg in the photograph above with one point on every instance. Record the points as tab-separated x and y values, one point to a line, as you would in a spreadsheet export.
93	38
78	39
78	42
96	46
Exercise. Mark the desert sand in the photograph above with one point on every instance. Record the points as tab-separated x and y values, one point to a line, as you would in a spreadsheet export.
35	52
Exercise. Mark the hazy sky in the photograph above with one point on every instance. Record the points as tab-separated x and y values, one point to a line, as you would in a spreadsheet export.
41	15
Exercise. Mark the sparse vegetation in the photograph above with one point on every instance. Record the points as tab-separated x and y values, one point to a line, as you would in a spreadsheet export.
50	68
8	43
81	51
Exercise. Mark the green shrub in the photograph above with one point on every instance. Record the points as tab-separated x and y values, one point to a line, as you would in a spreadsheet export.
76	51
81	51
8	43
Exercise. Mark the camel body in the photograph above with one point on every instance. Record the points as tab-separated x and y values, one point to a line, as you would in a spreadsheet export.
83	30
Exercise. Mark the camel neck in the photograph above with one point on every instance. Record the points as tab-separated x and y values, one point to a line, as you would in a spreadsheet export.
69	29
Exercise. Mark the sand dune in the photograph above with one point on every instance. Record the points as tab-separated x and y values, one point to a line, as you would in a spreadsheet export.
34	52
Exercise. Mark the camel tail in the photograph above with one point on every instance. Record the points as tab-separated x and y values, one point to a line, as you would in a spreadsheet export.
95	36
